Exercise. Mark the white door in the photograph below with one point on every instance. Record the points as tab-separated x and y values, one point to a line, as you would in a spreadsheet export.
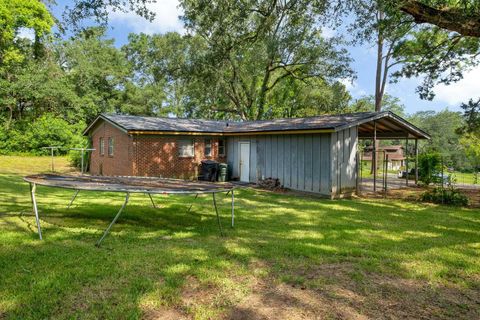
244	161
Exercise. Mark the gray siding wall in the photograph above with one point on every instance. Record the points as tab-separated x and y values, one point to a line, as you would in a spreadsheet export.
301	161
343	161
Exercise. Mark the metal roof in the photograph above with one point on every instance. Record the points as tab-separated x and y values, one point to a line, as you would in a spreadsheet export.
388	124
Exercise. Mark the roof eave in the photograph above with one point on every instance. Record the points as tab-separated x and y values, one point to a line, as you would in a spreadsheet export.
104	118
421	134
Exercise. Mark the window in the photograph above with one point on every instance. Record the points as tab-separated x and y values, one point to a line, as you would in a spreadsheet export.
186	148
110	146
101	146
221	147
208	147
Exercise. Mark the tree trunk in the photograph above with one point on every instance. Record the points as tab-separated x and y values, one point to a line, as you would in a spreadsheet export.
378	82
263	93
379	71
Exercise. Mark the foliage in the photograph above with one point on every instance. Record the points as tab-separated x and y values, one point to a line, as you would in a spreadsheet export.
471	115
471	144
188	83
255	46
438	55
47	130
96	70
449	195
15	15
99	10
429	166
389	103
443	127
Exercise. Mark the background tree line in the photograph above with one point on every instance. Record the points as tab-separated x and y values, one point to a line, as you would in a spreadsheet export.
244	60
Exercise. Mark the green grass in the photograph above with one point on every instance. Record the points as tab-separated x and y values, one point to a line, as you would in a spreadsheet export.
166	259
465	178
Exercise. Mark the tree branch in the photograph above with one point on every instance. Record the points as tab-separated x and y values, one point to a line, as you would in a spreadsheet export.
448	18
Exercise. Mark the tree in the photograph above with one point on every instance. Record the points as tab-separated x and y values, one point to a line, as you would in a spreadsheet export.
445	43
99	10
461	16
14	52
255	46
294	98
367	103
471	115
443	127
14	15
375	22
97	70
471	145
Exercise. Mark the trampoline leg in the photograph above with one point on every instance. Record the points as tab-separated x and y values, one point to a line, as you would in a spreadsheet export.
216	211
151	199
33	188
113	221
233	209
196	196
73	198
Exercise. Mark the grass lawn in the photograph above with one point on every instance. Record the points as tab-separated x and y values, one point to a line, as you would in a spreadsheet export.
295	257
465	178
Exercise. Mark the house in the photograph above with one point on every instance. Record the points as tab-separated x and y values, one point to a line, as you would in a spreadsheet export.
315	154
395	154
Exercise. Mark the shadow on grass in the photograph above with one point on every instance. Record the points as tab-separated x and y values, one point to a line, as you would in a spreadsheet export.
154	256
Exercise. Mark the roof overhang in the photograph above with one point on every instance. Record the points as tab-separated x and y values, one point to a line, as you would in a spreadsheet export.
99	118
386	126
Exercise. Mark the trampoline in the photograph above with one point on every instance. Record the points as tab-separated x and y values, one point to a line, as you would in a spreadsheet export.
129	185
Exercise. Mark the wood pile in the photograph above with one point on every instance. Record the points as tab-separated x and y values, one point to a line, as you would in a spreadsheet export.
271	184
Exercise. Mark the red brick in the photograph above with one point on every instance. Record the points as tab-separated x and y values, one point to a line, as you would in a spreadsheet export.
147	155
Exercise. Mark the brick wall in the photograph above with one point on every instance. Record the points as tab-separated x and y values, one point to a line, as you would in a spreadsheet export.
147	155
121	163
158	156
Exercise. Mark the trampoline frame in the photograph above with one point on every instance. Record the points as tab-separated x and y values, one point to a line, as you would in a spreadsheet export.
34	181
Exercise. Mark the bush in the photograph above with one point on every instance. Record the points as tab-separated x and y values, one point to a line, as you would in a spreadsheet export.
48	130
449	196
429	166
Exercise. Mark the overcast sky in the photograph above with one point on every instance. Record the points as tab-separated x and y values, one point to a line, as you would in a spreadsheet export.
167	13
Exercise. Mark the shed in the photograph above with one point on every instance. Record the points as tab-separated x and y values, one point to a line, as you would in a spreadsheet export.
314	154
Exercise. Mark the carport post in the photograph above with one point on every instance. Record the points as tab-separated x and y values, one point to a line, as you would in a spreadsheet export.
386	174
114	220
33	188
374	156
406	161
233	209
416	161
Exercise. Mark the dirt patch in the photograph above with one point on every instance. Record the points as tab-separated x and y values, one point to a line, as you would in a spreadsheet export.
194	293
164	313
338	291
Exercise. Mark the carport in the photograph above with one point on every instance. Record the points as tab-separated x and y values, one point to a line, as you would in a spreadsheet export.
390	127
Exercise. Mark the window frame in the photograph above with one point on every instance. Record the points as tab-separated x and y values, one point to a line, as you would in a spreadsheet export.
224	147
110	146
101	146
210	154
180	147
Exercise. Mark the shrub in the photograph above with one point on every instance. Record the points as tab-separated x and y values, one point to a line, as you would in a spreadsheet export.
32	136
449	196
429	166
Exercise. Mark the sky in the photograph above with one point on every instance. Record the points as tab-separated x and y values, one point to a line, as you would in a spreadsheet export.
167	19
